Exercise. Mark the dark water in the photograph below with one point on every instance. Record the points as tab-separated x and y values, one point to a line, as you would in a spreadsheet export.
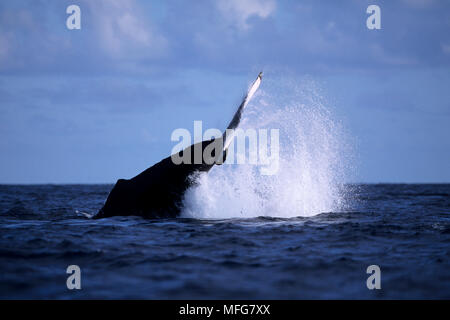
405	229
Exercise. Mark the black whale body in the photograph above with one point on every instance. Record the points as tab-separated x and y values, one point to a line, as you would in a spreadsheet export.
158	191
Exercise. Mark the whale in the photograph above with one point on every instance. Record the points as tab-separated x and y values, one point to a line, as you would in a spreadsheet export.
158	191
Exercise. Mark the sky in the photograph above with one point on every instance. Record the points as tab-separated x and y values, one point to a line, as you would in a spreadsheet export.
100	103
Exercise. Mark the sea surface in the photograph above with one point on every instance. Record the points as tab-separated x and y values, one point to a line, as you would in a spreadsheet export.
404	229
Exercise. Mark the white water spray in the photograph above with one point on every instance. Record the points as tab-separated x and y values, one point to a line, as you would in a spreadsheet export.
313	160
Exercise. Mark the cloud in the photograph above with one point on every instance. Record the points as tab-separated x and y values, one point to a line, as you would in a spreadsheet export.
385	58
238	12
120	26
34	37
4	46
131	37
138	69
445	48
419	3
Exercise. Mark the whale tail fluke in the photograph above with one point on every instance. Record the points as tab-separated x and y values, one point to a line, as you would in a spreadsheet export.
238	115
251	91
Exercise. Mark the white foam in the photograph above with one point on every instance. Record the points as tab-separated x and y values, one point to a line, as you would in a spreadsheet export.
312	167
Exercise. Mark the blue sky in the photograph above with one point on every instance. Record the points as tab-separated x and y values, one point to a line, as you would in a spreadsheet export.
97	104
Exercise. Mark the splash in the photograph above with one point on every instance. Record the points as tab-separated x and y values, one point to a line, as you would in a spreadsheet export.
313	162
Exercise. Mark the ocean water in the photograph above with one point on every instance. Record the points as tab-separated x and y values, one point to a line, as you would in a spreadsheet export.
402	228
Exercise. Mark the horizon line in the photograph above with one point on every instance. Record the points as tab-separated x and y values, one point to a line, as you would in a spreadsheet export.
107	183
